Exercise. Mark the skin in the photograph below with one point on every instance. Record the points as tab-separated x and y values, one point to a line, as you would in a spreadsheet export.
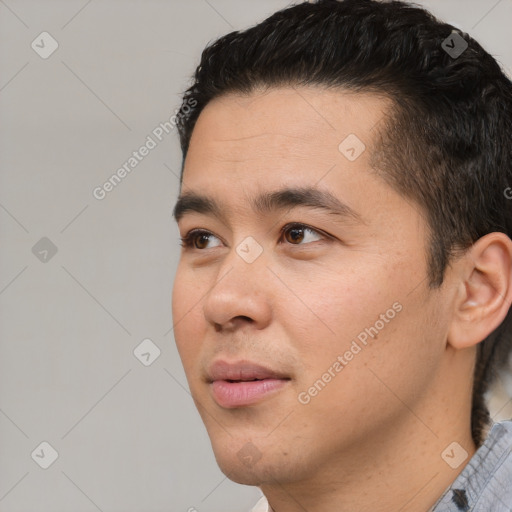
372	438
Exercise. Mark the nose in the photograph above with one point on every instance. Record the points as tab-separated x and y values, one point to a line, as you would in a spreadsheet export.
241	293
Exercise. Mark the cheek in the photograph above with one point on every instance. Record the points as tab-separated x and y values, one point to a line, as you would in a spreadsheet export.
343	304
367	315
186	306
383	345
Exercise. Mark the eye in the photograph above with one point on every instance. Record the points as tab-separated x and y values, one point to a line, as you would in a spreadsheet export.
196	239
294	233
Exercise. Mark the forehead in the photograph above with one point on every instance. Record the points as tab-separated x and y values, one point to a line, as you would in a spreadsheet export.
244	146
285	127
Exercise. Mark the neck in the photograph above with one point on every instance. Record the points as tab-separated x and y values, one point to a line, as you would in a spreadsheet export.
406	475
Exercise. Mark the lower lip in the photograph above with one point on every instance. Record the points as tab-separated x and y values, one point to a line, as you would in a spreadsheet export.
238	394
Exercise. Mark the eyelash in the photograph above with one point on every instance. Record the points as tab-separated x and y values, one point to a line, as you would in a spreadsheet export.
188	240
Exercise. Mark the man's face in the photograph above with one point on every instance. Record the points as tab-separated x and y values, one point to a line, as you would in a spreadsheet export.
335	306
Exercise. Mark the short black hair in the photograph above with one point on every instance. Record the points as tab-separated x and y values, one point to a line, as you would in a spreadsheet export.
445	144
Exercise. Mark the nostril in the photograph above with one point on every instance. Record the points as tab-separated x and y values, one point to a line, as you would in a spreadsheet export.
232	324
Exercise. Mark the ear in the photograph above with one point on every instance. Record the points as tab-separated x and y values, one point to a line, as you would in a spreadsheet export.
484	290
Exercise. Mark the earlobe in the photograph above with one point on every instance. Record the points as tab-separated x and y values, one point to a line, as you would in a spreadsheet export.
484	290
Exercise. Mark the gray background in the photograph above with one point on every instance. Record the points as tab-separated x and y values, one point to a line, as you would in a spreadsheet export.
128	436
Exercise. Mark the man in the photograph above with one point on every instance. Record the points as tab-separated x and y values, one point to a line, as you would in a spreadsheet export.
343	295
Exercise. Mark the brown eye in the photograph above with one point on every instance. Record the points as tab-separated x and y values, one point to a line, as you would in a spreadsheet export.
197	239
201	240
295	234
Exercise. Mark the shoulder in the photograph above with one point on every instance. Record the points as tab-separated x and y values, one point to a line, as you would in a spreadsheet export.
485	484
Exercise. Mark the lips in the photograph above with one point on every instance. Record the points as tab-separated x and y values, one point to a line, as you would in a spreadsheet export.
242	371
243	383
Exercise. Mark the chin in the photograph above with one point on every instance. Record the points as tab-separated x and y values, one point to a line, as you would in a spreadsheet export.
242	476
246	465
238	471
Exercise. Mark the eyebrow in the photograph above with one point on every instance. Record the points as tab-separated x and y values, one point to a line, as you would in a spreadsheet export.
268	202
